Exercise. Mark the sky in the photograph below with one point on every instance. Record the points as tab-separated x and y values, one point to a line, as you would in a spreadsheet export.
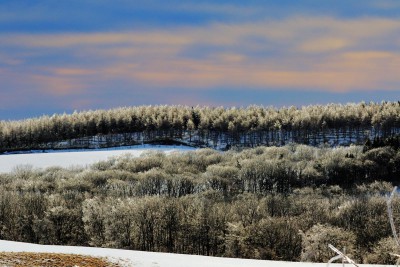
62	56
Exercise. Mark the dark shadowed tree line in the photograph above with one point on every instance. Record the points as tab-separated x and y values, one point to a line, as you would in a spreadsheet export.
279	203
218	127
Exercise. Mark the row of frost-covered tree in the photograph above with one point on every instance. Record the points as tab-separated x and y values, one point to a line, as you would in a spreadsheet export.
280	203
205	126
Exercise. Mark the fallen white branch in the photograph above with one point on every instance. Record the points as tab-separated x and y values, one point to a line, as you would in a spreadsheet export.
340	255
390	212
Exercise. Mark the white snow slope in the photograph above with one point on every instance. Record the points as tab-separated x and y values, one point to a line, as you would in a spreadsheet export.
69	158
132	258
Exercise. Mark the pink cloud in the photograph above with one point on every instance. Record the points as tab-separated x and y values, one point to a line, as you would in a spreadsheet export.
93	39
57	86
345	72
73	72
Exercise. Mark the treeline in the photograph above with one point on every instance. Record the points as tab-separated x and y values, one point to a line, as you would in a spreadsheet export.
251	203
219	127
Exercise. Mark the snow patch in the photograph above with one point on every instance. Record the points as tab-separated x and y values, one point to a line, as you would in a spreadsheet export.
130	258
77	158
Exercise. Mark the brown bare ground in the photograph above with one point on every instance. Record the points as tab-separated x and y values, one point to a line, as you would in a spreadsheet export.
24	259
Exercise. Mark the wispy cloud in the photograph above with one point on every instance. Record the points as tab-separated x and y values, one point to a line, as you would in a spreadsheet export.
58	86
317	53
92	39
7	60
323	45
72	72
237	11
385	4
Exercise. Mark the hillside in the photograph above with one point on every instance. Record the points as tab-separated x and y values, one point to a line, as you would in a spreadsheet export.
117	192
249	203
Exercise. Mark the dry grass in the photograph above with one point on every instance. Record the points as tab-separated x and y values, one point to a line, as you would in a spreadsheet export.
24	259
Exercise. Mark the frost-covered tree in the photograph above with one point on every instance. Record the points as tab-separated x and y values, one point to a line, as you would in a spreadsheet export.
315	242
93	218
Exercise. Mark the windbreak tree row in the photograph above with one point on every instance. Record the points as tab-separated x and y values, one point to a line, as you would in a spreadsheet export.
205	126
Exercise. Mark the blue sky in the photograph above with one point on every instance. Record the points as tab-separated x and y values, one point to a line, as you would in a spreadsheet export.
61	56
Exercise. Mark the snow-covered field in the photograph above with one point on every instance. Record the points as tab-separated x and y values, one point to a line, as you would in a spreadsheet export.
70	158
130	258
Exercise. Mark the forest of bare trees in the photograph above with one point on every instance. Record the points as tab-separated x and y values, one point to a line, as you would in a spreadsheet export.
221	128
280	203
